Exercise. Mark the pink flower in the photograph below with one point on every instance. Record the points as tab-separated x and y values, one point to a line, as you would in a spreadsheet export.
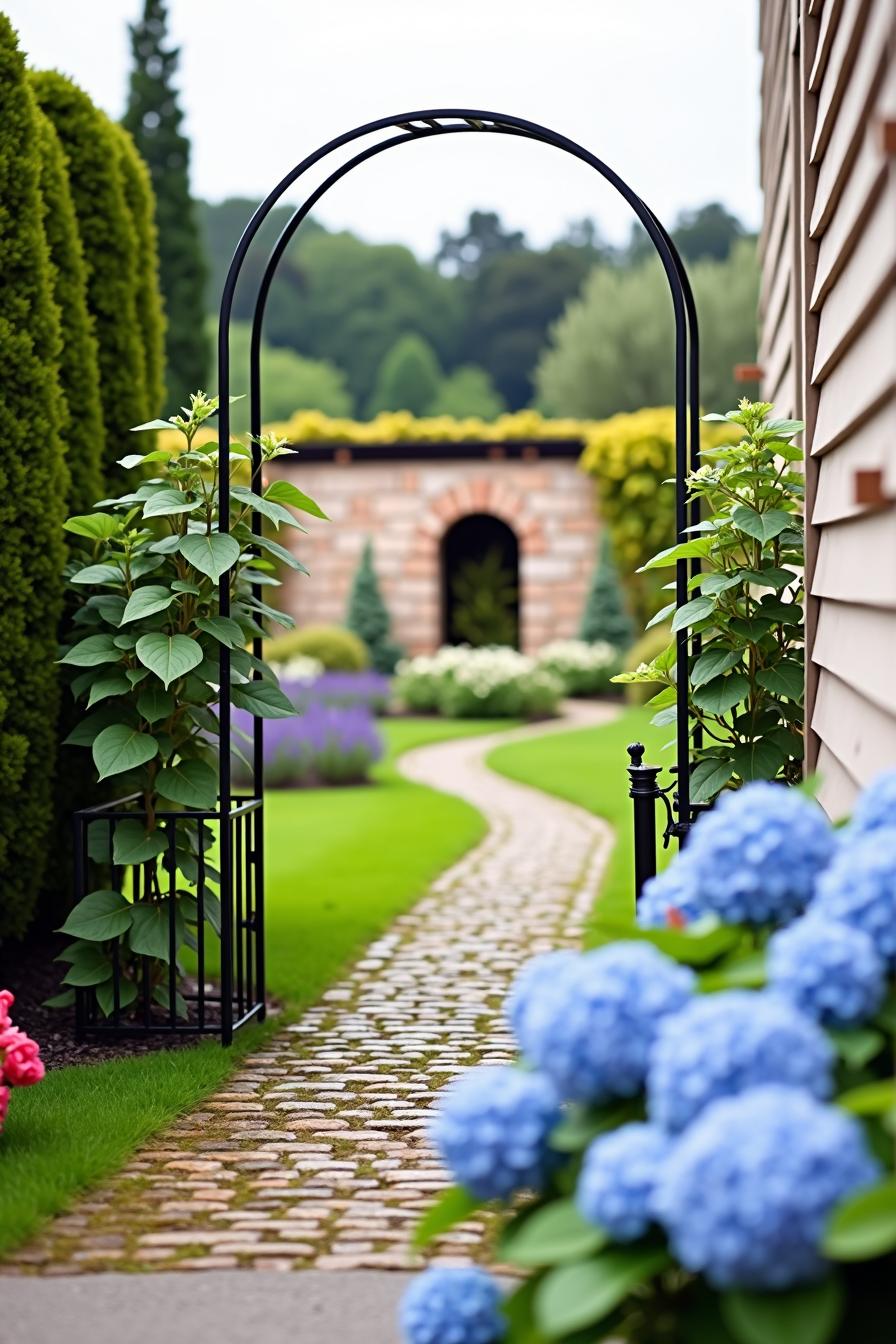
7	999
22	1065
4	1105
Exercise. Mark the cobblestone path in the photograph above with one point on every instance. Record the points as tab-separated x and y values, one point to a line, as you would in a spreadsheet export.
316	1153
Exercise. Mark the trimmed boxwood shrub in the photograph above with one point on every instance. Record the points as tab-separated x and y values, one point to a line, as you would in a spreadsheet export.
109	241
337	648
32	502
141	206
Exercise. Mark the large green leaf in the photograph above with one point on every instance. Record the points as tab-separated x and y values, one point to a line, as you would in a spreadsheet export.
98	574
722	693
857	1045
96	526
696	610
132	844
454	1205
92	652
223	629
111	683
169	656
274	548
713	662
284	492
151	424
212	553
268	508
807	1315
120	747
162	503
155	704
100	915
758	760
685	550
870	1098
785	678
693	946
192	783
149	936
91	968
708	777
551	1235
865	1226
105	996
84	733
571	1297
763	526
264	699
146	602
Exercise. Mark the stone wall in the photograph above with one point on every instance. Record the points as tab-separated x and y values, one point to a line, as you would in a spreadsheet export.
406	508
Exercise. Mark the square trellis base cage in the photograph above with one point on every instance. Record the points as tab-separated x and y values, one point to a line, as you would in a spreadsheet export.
214	894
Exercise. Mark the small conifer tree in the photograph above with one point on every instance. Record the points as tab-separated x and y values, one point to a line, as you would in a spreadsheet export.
605	616
368	617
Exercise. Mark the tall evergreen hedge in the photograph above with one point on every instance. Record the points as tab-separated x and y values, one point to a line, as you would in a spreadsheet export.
31	505
109	241
141	206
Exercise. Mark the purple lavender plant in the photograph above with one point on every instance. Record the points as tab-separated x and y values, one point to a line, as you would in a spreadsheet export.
326	744
341	690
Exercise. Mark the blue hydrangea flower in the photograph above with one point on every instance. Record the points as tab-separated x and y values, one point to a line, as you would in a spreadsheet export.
533	989
723	1044
492	1130
668	899
757	854
859	888
452	1306
746	1192
591	1034
876	808
830	971
618	1178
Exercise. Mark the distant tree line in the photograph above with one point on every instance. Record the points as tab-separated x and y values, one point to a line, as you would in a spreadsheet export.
490	323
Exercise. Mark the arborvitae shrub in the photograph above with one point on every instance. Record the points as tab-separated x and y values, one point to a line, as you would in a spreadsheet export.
606	615
110	253
141	206
368	617
32	503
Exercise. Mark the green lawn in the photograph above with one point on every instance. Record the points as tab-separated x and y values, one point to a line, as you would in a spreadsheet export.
588	766
341	863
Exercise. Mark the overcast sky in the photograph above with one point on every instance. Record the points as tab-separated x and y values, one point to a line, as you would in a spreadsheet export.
666	91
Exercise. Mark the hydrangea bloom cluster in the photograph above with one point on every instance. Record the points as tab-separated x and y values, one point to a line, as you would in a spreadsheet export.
668	900
452	1306
830	971
618	1179
756	856
492	1130
724	1044
592	1034
859	888
20	1062
876	808
530	1001
746	1192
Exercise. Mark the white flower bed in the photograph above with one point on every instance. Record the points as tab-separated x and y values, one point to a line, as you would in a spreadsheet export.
583	668
461	682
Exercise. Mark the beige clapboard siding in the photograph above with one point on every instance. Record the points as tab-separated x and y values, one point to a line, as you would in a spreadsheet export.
828	93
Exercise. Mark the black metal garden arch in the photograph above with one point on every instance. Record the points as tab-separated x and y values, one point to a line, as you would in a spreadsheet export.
247	866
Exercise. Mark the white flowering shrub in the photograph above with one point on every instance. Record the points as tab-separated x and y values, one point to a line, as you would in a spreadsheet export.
462	683
697	1144
583	667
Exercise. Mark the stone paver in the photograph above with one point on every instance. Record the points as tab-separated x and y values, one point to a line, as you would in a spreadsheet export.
315	1153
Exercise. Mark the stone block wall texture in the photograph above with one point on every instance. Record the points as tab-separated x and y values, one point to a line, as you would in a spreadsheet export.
406	507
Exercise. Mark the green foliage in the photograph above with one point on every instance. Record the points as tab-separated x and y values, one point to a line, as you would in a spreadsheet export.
368	617
289	382
138	194
408	378
154	119
468	391
746	685
339	650
642	653
148	635
605	616
613	348
33	481
109	242
485	596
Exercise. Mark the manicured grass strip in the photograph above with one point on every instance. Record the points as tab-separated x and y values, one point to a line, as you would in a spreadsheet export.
588	766
340	865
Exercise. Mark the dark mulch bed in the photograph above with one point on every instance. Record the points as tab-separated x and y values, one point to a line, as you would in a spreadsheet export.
29	970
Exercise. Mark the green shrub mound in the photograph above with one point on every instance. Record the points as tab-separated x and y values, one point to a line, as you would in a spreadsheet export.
368	616
141	206
110	254
32	502
649	646
338	649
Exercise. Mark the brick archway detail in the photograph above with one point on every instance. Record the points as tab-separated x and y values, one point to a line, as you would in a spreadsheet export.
479	495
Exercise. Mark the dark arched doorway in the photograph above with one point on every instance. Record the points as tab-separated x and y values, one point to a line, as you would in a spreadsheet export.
480	574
